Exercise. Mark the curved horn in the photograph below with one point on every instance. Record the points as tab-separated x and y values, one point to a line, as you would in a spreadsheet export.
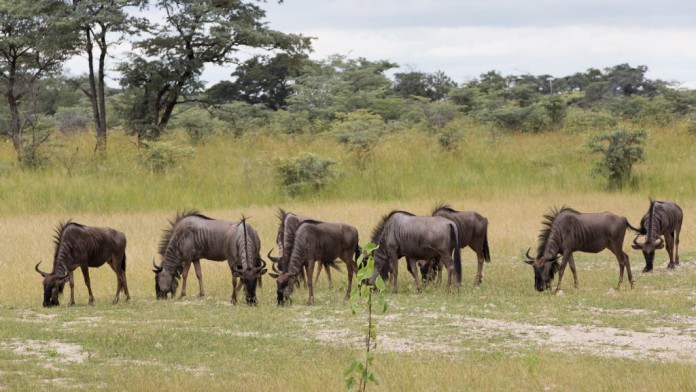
273	266
273	259
636	244
659	243
157	268
38	270
263	265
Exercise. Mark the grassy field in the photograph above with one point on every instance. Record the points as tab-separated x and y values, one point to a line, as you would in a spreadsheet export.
500	336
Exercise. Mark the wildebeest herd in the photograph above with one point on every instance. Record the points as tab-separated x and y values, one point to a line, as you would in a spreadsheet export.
428	243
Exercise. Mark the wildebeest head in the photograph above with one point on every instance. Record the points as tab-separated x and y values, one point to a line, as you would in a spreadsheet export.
53	286
544	271
648	247
165	283
284	285
250	278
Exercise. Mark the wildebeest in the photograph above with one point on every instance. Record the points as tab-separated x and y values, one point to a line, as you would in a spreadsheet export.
315	241
193	236
402	234
286	229
663	218
566	231
473	232
84	246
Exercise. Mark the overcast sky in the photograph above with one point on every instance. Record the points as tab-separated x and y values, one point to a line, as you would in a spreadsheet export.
465	38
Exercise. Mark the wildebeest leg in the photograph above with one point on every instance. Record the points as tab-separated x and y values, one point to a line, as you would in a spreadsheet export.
236	286
199	276
319	267
119	280
85	274
413	267
394	261
622	258
571	260
352	268
561	270
310	284
184	275
669	245
449	264
72	288
479	271
676	244
328	274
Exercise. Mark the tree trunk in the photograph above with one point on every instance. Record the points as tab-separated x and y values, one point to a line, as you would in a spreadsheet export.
101	97
16	120
92	94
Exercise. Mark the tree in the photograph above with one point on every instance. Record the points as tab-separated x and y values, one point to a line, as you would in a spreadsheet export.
338	84
621	149
194	33
99	21
34	42
266	80
435	86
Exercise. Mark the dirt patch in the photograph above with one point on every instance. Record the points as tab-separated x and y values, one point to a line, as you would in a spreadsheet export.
49	350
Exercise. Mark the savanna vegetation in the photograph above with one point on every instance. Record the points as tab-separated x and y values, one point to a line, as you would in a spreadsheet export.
339	139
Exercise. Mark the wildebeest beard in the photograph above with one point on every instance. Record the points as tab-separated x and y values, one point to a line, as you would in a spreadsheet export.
53	289
544	274
163	293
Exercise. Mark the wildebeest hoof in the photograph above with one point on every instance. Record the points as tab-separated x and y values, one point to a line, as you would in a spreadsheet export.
670	266
201	294
646	270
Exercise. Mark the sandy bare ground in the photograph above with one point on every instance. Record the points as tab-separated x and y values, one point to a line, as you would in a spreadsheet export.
657	344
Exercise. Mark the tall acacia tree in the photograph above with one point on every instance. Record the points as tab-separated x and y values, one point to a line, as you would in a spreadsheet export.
167	69
34	42
103	24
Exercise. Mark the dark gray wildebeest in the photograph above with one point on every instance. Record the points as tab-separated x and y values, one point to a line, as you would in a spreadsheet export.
192	236
286	229
315	241
84	246
473	232
663	218
402	234
566	231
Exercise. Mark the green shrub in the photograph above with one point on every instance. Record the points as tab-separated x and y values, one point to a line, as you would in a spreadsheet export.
581	120
305	172
72	118
196	122
691	123
449	138
512	118
621	149
360	132
159	156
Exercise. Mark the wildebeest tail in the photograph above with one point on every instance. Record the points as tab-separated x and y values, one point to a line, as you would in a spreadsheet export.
486	249
457	253
640	230
358	252
123	264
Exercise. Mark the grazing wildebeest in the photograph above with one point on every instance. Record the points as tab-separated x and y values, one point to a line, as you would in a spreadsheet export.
192	236
315	241
286	229
473	232
402	234
84	246
663	218
566	231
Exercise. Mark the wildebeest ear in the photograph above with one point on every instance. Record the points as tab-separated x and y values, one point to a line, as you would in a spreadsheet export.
634	246
660	245
530	262
263	271
274	276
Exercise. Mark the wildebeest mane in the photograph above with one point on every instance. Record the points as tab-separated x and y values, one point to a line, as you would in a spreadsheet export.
168	232
302	244
548	226
58	237
442	206
377	232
